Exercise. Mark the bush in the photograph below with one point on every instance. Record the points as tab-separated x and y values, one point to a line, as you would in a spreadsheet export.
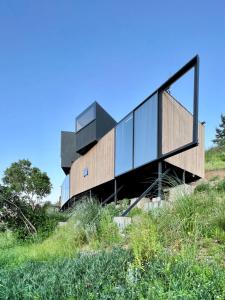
221	186
27	222
142	239
107	231
203	187
215	158
7	239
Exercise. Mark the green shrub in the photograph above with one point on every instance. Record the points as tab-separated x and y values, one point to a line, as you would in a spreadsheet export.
221	186
203	187
142	239
215	158
28	222
107	231
8	239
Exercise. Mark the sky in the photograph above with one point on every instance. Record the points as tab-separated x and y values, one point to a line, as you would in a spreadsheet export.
57	57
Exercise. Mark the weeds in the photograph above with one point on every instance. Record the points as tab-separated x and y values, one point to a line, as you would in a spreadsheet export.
215	158
176	252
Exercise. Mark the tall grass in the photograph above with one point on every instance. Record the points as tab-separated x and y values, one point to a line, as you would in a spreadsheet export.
89	226
215	158
192	225
175	252
110	275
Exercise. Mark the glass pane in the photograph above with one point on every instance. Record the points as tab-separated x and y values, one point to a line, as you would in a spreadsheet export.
145	132
124	145
86	118
65	190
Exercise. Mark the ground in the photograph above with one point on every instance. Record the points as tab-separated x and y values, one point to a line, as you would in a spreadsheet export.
176	252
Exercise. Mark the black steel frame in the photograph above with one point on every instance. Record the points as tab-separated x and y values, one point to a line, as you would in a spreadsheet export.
193	63
157	181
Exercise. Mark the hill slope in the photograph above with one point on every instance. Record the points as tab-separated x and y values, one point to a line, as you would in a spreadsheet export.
176	252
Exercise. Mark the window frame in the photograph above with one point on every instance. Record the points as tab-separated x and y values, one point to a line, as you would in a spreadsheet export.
92	106
192	64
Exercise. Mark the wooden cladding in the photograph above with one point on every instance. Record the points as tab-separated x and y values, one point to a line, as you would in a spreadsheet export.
177	131
98	163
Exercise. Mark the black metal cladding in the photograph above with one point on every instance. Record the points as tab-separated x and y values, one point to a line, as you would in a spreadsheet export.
89	135
68	150
104	122
86	138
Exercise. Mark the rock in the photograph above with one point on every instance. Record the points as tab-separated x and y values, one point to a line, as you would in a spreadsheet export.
180	191
141	203
122	222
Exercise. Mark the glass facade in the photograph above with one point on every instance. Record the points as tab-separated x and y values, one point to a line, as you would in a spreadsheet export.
65	190
145	132
124	145
86	117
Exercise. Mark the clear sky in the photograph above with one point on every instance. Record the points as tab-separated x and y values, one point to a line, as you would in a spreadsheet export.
57	57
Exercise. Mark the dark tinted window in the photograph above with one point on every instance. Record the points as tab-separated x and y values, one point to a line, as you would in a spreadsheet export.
124	145
145	132
65	190
85	118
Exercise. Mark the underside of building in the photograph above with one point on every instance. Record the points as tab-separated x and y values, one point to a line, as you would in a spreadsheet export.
113	160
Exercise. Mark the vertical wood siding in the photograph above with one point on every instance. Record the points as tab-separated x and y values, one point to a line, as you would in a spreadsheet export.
177	131
99	161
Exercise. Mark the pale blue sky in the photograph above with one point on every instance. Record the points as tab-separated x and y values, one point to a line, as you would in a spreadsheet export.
57	57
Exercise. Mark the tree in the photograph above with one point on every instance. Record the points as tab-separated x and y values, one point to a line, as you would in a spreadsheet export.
14	212
220	133
27	182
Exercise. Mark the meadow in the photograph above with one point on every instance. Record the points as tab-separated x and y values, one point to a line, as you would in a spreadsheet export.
175	252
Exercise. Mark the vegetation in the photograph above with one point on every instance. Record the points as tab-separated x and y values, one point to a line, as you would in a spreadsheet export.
220	133
176	252
215	158
20	207
27	182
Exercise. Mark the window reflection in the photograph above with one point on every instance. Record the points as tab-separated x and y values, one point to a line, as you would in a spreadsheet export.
145	132
65	190
124	145
85	118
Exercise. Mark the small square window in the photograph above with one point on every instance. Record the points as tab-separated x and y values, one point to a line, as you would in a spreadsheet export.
85	172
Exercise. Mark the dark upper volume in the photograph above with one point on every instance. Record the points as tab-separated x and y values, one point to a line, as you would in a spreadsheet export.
68	150
91	125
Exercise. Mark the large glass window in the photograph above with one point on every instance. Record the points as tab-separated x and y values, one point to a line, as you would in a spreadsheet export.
85	118
145	132
65	190
124	145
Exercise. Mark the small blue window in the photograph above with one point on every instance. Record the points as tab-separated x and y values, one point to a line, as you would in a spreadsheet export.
85	172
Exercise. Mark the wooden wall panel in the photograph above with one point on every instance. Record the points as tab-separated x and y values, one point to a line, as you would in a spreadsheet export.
177	131
100	163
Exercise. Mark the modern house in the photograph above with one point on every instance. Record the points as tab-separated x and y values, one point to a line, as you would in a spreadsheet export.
120	160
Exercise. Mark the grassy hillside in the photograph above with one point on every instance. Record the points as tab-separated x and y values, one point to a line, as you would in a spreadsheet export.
215	158
177	252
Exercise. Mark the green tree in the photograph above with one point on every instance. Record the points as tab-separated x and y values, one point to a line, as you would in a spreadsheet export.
220	133
27	182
